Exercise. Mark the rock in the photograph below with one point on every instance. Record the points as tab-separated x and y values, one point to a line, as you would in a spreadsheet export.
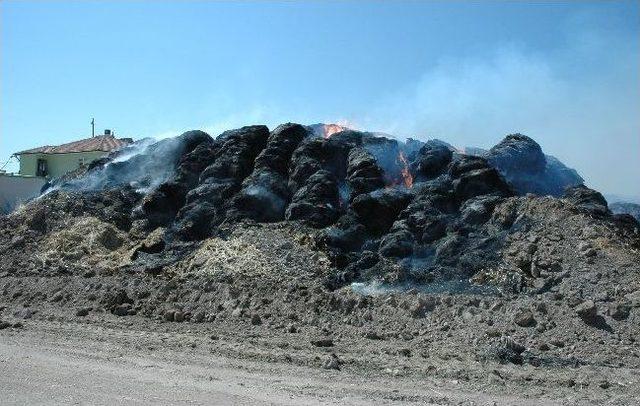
169	315
587	311
322	342
586	249
4	324
556	342
291	328
178	316
332	362
633	298
83	311
24	313
619	311
506	350
256	320
421	306
372	335
405	352
524	318
604	384
122	310
198	317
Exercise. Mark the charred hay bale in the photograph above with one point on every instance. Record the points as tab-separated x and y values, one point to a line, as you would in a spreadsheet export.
235	158
480	182
378	210
281	144
162	204
195	161
317	202
264	197
196	220
265	193
331	155
208	203
517	153
449	249
433	228
347	234
425	220
461	164
363	173
398	242
521	161
305	161
431	160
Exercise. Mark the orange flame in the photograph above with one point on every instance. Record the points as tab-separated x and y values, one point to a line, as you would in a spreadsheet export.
406	175
340	125
330	129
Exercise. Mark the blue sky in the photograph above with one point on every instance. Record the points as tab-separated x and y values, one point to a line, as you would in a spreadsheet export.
566	74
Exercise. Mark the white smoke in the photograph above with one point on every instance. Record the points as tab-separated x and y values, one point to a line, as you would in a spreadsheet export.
580	102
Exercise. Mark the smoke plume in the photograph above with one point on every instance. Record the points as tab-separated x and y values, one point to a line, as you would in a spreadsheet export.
580	102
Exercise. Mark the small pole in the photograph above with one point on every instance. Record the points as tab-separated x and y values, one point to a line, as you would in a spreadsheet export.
93	127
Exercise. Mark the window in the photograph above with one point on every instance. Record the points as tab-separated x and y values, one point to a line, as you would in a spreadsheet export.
41	168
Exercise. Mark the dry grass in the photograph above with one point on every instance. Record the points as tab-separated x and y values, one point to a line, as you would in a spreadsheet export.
87	241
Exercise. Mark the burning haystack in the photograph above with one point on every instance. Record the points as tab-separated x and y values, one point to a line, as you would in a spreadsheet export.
325	233
381	209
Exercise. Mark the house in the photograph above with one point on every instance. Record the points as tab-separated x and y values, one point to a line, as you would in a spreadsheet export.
15	189
54	161
39	165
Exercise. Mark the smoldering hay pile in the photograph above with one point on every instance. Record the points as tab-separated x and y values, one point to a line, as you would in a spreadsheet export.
400	213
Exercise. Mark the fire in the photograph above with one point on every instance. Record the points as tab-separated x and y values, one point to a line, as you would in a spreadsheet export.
340	125
330	129
406	175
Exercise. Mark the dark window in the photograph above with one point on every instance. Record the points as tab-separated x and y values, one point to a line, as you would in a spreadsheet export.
41	169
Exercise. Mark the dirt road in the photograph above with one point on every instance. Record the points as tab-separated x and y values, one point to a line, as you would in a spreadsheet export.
49	363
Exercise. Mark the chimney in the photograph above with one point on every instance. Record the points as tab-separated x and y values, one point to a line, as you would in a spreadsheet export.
107	132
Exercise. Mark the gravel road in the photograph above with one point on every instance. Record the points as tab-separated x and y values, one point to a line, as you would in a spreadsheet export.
51	363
